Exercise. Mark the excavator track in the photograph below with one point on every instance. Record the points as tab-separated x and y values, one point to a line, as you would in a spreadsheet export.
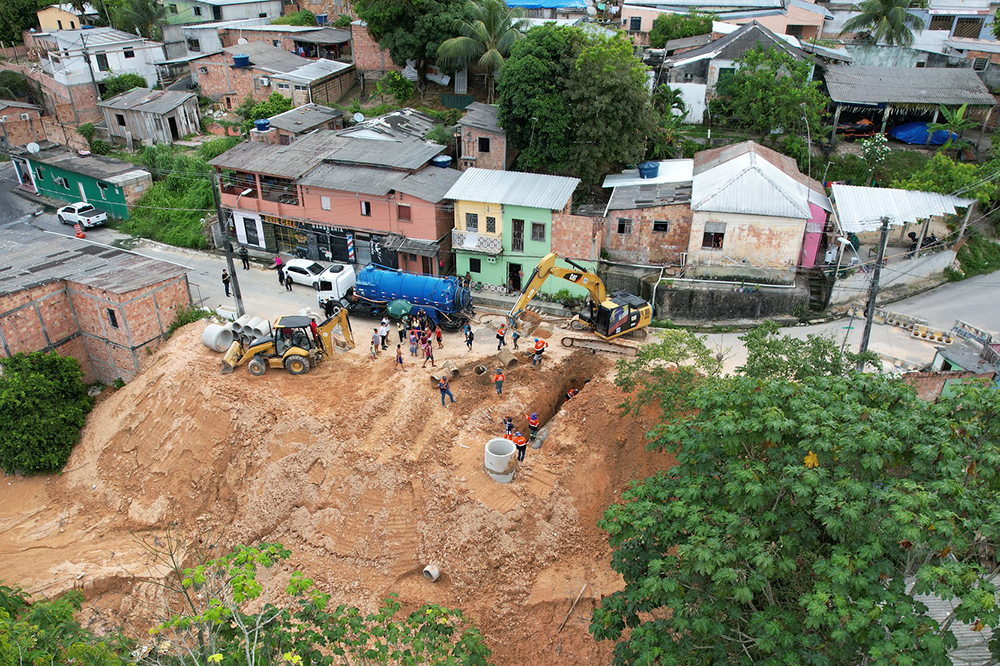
593	344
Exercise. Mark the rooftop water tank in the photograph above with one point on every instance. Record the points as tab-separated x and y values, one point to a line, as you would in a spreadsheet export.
442	161
262	125
241	60
649	169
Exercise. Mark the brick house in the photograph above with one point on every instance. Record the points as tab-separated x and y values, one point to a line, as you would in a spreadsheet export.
226	77
371	60
295	123
18	110
483	141
105	307
309	42
649	219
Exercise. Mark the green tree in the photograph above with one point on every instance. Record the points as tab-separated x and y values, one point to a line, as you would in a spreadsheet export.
485	37
575	104
767	91
251	110
888	21
13	85
410	29
302	17
678	26
142	17
122	83
43	406
397	85
16	16
807	509
945	175
955	122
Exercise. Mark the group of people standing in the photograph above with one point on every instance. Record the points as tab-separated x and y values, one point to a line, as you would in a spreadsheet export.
520	442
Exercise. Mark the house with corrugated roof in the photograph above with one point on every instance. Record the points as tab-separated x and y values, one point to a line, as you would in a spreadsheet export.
754	215
505	221
483	142
146	117
286	127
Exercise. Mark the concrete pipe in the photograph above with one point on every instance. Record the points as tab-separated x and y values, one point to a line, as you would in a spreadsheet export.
499	460
432	573
252	324
240	323
507	359
451	367
264	329
217	338
482	374
543	433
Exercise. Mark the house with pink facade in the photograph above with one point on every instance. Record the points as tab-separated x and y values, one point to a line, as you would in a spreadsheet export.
342	196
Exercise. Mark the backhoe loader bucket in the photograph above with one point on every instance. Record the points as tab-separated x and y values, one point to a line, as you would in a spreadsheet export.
231	358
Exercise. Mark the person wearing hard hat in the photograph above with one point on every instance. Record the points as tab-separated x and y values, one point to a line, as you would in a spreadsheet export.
498	381
521	443
540	346
532	425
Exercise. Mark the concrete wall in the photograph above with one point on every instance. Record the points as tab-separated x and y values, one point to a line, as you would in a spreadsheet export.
754	247
896	56
644	246
699	302
899	273
693	95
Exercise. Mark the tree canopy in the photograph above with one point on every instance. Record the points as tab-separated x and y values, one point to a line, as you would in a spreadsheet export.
807	509
302	17
766	92
120	83
574	104
678	26
141	16
16	16
945	175
887	21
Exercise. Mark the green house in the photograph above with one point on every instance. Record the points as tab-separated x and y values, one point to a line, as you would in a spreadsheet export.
65	175
506	221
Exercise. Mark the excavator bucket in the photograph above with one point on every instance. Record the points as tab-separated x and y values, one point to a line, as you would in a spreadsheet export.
231	358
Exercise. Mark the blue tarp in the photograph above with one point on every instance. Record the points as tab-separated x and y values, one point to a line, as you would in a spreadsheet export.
916	134
545	4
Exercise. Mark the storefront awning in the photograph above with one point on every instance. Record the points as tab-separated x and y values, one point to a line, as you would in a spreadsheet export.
417	246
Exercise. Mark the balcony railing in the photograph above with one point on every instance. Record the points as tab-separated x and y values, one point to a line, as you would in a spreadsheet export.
476	242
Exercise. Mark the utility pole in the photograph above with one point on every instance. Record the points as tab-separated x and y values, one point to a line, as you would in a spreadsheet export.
90	68
873	290
224	228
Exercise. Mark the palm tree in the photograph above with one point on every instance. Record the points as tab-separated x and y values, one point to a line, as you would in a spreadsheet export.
485	37
888	21
954	123
141	17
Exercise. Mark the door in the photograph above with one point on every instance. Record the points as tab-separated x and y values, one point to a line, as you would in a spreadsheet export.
514	276
173	128
83	195
427	265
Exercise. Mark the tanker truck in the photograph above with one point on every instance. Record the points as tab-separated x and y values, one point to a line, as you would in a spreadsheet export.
444	299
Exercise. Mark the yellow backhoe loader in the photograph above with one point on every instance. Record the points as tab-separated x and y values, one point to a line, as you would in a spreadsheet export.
296	344
609	316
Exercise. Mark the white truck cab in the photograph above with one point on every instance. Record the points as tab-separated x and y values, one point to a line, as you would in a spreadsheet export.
335	283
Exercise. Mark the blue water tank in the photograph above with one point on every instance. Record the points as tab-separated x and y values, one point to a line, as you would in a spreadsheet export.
442	161
262	125
241	60
436	294
649	169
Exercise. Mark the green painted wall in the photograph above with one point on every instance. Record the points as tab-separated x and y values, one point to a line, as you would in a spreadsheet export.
185	11
45	176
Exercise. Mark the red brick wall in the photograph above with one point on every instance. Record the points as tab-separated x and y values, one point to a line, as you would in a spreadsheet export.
930	384
368	57
21	132
643	246
471	157
576	236
72	105
229	84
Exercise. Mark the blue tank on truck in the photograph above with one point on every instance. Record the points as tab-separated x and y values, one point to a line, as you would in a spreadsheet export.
444	299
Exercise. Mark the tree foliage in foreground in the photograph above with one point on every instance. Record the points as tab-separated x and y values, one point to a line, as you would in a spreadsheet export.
678	26
801	519
43	406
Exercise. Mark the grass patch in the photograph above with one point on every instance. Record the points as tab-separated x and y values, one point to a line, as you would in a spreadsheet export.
978	256
186	316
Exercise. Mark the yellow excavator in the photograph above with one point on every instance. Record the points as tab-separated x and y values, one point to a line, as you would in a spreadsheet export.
297	344
609	316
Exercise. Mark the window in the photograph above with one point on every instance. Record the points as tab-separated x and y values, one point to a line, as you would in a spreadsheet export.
472	222
517	235
302	87
197	11
102	62
484	144
403	213
72	25
625	225
968	27
794	31
941	23
158	123
120	119
276	43
59	180
262	15
282	86
129	53
725	73
715	235
103	187
194	45
324	203
537	231
112	318
635	24
366	208
491	225
216	13
921	64
979	64
321	19
39	171
172	8
475	265
284	139
661	226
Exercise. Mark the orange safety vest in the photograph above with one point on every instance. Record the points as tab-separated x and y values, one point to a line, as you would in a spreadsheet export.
498	377
532	422
520	441
502	330
540	345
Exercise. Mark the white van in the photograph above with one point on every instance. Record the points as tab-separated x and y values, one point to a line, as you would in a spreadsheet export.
335	283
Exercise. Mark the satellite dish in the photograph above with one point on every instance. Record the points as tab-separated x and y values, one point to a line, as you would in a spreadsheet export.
33	147
242	40
358	117
591	11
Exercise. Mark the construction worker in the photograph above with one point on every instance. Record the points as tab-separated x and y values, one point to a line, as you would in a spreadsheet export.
508	428
498	381
522	444
570	394
514	337
540	346
532	425
501	336
445	390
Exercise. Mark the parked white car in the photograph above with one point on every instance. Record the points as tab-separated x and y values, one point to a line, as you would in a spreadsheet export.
81	213
306	271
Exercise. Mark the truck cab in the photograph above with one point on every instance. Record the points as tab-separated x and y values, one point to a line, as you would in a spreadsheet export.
335	283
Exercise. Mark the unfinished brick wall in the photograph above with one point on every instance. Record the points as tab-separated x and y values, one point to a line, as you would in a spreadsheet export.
231	85
22	132
494	159
230	37
576	236
71	105
369	58
644	246
929	385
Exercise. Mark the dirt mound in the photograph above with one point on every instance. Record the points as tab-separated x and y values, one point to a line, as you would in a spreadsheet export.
361	472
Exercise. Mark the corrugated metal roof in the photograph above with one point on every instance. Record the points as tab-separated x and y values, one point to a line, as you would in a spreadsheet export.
88	9
965	7
351	178
69	39
483	116
401	123
632	197
863	85
972	647
861	208
709	5
324	36
751	180
304	118
968	44
267	57
6	103
513	188
148	101
313	71
735	44
430	184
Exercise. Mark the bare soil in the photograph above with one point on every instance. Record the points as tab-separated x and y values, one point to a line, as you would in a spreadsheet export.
360	471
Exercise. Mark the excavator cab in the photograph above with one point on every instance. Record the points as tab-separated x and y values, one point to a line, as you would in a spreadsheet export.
620	313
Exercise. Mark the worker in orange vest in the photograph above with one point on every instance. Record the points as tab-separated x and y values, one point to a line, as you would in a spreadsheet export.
570	394
498	381
501	336
522	444
532	425
540	346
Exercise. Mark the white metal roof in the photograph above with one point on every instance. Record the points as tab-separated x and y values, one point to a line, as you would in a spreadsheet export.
671	171
862	208
969	44
312	71
513	188
750	185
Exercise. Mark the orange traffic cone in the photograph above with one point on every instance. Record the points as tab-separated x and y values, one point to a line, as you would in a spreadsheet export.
79	231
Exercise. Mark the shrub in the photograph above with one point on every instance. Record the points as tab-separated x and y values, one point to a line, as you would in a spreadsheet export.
116	85
304	17
342	21
677	26
397	85
99	147
979	255
186	316
43	406
86	130
441	134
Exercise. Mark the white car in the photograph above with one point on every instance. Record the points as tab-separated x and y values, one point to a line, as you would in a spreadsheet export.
81	213
306	271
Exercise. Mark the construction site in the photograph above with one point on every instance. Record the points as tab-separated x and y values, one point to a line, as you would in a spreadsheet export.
357	468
